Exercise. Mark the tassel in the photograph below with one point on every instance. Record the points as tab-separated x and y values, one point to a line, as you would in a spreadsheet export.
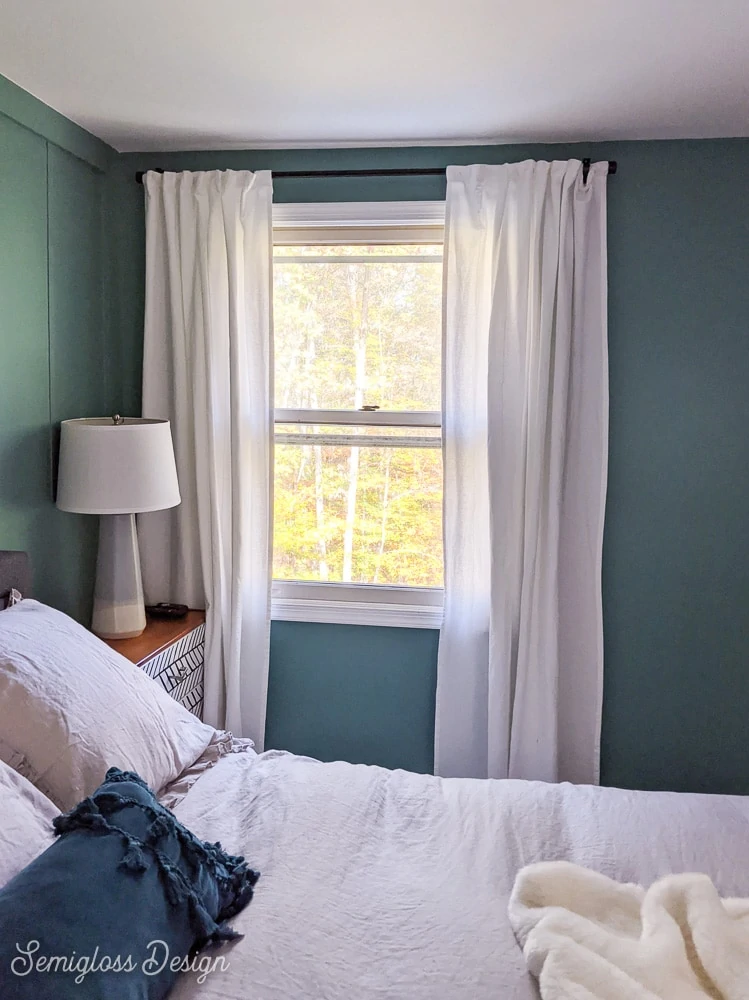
134	860
85	816
160	827
172	888
224	933
238	905
203	924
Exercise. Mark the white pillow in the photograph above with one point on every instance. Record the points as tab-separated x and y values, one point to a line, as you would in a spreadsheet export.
70	707
25	822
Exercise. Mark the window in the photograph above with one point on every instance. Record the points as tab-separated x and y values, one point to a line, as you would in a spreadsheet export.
358	457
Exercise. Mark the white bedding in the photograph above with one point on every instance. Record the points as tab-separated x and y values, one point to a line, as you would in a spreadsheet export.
383	883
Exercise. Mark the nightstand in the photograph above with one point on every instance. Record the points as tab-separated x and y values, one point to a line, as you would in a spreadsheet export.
171	652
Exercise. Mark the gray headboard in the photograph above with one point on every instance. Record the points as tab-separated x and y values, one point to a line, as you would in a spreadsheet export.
15	571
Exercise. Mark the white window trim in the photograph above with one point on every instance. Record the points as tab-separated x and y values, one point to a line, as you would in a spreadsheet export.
369	418
402	258
353	214
340	603
356	604
351	222
360	440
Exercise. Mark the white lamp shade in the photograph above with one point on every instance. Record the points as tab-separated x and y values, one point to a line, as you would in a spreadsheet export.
123	468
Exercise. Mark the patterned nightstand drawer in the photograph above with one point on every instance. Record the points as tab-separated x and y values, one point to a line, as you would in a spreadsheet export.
179	669
172	652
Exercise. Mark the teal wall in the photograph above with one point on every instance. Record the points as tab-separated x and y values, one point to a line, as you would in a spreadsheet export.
676	557
53	362
353	692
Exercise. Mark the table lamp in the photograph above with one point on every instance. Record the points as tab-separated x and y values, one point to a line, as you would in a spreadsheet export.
117	467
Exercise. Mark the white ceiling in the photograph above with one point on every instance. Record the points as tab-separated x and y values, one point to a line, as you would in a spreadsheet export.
207	74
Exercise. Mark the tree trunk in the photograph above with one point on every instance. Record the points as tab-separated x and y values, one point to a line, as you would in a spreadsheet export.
383	522
359	326
322	545
312	402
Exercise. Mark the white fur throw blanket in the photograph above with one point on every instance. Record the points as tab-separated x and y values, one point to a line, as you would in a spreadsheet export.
585	936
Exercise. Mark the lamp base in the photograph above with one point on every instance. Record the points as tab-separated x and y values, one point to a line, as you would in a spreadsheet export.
119	612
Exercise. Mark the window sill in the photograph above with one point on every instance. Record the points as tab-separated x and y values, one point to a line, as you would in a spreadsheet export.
341	604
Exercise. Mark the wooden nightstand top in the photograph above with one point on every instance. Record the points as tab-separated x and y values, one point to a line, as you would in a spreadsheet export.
159	633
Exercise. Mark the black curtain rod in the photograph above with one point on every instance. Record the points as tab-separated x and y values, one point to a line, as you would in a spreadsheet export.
378	172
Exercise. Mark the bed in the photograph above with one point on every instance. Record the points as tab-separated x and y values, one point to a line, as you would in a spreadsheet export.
387	884
383	883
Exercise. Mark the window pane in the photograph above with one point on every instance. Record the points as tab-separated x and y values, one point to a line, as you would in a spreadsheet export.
353	334
358	515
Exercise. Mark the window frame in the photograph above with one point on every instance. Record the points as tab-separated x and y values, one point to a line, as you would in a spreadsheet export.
298	224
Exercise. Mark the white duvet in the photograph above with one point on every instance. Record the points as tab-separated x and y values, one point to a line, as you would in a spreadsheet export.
389	884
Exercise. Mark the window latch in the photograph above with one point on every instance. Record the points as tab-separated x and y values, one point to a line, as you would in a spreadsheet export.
368	409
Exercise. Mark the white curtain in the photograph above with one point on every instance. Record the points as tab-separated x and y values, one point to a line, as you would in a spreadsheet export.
208	367
520	667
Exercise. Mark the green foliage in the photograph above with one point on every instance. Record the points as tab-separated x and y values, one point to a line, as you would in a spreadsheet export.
347	334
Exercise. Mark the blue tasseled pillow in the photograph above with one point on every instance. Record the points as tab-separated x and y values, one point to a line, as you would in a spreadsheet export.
122	902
